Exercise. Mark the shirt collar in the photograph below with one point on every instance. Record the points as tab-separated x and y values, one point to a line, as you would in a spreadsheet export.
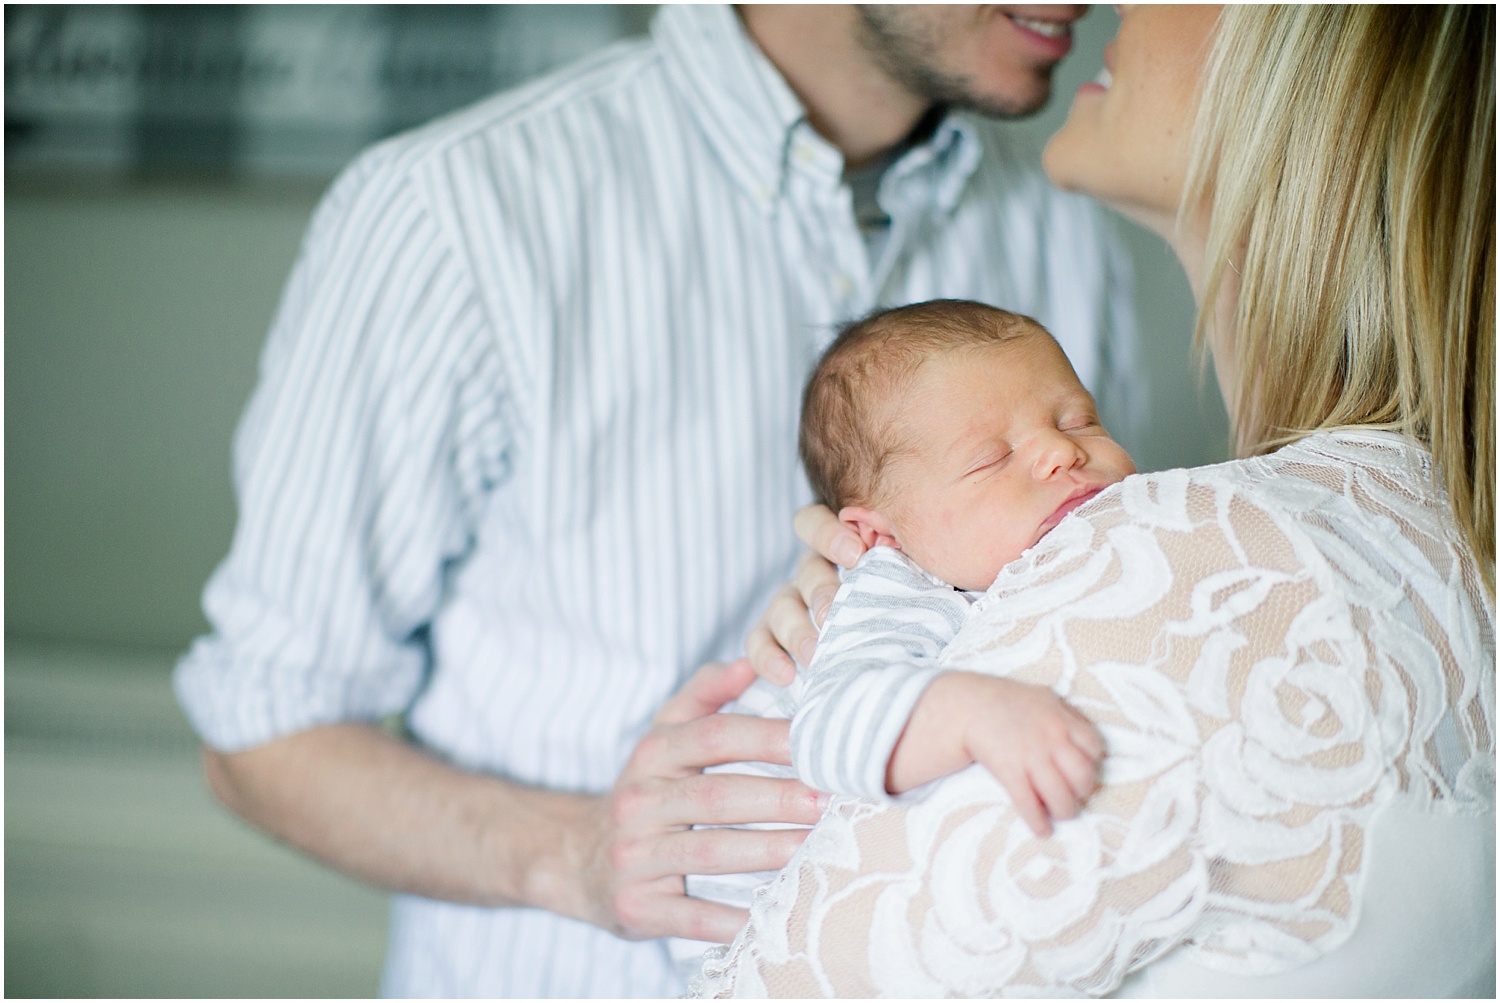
759	129
939	168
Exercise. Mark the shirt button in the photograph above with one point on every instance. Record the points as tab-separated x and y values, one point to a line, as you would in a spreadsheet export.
843	285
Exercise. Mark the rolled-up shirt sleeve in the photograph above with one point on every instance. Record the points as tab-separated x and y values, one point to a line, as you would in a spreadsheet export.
380	423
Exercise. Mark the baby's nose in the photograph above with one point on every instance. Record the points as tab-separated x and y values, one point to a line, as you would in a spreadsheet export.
1056	452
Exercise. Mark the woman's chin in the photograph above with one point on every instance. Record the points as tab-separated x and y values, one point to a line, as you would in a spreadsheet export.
1067	155
1063	165
1074	166
1054	165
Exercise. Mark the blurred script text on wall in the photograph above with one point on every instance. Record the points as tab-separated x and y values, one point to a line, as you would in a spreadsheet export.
266	88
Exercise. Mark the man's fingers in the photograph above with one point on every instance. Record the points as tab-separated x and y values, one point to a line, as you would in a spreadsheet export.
816	583
729	851
787	617
736	799
820	529
681	750
695	919
647	841
788	632
766	656
715	799
706	690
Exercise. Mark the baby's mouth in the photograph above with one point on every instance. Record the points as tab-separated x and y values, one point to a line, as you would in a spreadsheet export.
1068	506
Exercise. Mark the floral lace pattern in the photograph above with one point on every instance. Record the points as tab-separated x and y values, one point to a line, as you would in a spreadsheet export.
1273	650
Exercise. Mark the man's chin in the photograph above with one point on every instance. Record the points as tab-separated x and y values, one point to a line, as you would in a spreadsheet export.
1020	94
1008	106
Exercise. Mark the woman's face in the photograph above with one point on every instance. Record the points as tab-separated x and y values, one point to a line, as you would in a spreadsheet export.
1126	138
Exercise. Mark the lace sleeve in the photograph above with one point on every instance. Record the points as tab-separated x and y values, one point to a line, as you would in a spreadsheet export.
1253	730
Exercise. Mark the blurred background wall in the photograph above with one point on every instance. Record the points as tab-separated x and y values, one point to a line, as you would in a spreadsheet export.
161	164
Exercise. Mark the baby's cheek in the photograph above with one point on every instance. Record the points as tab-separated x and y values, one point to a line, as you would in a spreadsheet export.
947	521
975	546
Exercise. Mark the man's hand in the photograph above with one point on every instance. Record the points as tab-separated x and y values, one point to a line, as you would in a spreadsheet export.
1044	753
789	628
386	812
639	842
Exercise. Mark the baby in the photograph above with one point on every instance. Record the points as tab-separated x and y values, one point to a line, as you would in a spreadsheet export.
951	436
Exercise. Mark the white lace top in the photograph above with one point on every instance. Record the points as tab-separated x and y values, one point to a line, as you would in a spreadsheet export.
1279	652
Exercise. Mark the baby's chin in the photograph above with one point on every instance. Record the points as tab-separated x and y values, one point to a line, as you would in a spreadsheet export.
969	572
967	579
975	571
978	583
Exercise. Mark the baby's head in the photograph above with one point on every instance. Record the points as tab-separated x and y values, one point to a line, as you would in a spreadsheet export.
955	432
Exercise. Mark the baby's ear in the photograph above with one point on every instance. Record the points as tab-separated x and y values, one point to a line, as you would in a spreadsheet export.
874	529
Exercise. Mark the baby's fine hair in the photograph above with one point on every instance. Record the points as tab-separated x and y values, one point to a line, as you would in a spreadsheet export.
846	437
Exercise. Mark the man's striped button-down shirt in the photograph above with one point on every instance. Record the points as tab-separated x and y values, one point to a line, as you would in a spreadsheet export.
522	454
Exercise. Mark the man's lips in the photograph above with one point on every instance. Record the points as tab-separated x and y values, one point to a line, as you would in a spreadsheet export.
1052	38
1042	26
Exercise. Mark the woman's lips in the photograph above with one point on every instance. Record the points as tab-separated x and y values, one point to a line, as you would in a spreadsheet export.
1098	85
1105	78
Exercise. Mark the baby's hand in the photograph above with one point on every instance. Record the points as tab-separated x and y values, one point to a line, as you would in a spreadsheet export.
1042	751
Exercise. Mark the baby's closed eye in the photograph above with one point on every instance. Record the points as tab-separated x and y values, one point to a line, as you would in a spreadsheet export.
988	461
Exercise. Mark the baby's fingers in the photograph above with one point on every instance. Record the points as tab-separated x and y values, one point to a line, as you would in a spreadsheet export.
1056	792
1078	769
1018	785
1084	735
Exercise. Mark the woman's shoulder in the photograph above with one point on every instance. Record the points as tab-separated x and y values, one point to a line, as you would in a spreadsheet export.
1337	550
1366	501
1365	488
1352	516
1161	528
1368	468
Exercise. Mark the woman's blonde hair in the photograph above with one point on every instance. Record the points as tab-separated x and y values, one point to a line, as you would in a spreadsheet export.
1347	154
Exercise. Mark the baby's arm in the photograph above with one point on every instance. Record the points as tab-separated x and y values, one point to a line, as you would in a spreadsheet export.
1044	753
878	652
878	717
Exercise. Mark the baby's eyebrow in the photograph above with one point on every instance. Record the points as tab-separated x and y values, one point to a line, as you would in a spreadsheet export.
1079	399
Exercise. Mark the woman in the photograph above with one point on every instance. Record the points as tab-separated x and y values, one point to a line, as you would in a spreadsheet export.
1291	656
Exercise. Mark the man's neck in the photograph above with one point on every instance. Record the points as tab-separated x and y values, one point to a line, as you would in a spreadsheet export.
849	100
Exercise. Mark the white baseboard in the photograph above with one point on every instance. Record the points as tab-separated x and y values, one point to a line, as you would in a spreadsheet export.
123	876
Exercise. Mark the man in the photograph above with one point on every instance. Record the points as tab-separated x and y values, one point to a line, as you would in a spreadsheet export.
523	455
